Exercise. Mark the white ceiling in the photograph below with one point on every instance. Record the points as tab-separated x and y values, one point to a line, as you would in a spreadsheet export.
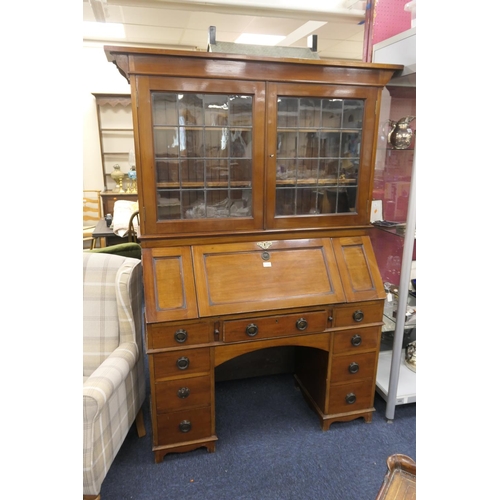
185	24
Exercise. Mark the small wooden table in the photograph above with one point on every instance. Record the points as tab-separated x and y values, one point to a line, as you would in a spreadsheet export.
106	235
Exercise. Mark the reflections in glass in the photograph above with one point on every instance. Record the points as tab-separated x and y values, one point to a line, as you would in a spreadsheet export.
203	154
240	111
318	151
287	112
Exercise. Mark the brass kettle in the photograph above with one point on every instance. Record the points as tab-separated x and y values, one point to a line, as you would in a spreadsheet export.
400	134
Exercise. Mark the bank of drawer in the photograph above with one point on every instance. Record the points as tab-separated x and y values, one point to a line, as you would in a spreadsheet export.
180	363
351	397
165	336
353	367
274	326
358	314
180	394
358	339
187	425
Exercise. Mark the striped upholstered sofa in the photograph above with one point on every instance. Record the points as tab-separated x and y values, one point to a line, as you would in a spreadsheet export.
114	382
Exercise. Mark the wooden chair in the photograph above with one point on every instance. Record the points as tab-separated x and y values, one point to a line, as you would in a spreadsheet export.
92	213
133	223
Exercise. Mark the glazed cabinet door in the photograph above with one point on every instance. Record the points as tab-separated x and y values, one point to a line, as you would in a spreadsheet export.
202	154
320	143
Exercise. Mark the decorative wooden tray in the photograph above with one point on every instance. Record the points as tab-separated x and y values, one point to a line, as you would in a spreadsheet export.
400	481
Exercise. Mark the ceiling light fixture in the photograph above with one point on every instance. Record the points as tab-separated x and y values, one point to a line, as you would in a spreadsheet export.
99	9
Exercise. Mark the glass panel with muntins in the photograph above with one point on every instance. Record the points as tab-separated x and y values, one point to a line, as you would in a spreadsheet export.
318	152
203	155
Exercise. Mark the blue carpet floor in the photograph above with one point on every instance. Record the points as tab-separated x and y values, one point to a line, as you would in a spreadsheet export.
270	447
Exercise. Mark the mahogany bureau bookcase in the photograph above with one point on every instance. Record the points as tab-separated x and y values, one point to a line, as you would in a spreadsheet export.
254	182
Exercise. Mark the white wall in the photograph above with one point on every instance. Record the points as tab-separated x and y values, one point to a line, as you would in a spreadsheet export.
100	76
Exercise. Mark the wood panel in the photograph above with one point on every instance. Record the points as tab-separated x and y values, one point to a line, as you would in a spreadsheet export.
169	284
358	268
140	61
236	278
229	351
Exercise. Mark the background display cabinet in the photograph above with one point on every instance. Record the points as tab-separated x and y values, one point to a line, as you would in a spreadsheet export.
255	178
116	138
394	239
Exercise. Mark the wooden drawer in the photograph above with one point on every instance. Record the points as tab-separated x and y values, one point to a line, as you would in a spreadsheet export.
162	335
186	425
181	363
357	339
353	396
353	367
274	326
181	394
358	314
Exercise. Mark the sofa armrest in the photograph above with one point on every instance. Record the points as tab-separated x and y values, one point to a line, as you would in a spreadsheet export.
98	388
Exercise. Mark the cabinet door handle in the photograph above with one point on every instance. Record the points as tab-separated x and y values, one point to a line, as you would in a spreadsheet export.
301	324
183	392
354	367
358	315
356	340
183	363
350	398
252	330
180	336
185	426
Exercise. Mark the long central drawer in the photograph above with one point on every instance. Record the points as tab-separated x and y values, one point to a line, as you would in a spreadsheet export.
274	326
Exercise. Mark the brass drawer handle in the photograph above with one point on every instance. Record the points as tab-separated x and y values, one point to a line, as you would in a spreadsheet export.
301	324
252	330
350	398
356	340
353	367
180	336
183	392
185	426
183	363
358	315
